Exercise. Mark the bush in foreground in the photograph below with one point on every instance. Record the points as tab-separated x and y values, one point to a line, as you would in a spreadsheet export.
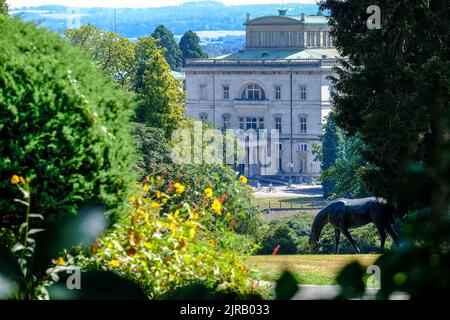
63	124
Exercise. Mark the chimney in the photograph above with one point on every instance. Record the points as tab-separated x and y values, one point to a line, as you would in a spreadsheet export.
302	17
249	17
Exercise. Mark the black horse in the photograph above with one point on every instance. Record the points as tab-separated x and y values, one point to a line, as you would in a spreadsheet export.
344	214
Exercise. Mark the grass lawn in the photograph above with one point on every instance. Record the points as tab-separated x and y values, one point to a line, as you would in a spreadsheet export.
310	269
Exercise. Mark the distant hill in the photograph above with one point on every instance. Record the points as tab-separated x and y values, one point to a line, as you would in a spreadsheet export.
133	23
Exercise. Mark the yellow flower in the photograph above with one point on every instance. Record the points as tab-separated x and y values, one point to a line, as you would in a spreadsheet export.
243	179
155	204
217	206
132	199
15	179
115	263
158	194
228	214
208	192
60	261
179	188
146	187
192	232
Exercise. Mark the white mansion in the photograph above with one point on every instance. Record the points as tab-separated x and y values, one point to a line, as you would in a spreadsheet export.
278	82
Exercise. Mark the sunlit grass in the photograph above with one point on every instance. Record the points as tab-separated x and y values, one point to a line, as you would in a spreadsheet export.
309	269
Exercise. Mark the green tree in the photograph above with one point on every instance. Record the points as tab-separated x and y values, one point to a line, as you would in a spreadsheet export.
190	46
3	7
393	91
159	96
347	174
172	51
63	124
330	153
112	53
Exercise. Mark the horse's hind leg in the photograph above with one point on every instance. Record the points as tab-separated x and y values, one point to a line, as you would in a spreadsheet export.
393	234
350	239
337	235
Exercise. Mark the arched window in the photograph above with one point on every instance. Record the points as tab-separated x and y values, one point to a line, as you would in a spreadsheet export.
253	92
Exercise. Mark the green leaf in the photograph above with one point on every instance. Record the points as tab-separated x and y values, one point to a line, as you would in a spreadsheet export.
286	286
18	247
351	280
33	231
21	201
36	215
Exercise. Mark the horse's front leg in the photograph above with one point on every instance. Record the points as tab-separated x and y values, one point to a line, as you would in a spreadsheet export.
350	239
337	236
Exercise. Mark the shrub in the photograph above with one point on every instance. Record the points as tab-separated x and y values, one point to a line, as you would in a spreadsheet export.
165	243
62	123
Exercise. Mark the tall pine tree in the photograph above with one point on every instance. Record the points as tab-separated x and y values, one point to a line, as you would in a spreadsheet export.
330	153
172	52
190	46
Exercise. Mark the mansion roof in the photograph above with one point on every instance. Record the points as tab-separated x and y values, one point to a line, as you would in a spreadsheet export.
282	54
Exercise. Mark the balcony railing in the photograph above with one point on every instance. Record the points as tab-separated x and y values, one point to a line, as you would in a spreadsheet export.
252	62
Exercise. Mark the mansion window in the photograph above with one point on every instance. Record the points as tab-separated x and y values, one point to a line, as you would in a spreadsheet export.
203	92
226	121
226	92
303	93
203	116
303	127
277	93
302	165
255	123
278	124
253	92
302	147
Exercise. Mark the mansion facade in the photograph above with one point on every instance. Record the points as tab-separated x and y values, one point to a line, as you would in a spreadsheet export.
280	81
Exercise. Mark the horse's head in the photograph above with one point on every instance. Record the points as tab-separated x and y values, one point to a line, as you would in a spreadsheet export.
313	243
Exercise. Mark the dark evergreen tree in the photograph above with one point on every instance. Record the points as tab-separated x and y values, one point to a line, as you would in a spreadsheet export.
393	91
172	51
190	46
330	153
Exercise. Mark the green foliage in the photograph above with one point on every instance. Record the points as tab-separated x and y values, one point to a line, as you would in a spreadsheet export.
152	146
63	125
349	170
24	272
222	179
287	286
112	53
3	7
351	280
158	93
175	237
190	46
288	233
172	51
330	153
393	94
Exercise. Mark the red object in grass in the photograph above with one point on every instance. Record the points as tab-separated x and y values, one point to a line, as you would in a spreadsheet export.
275	251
